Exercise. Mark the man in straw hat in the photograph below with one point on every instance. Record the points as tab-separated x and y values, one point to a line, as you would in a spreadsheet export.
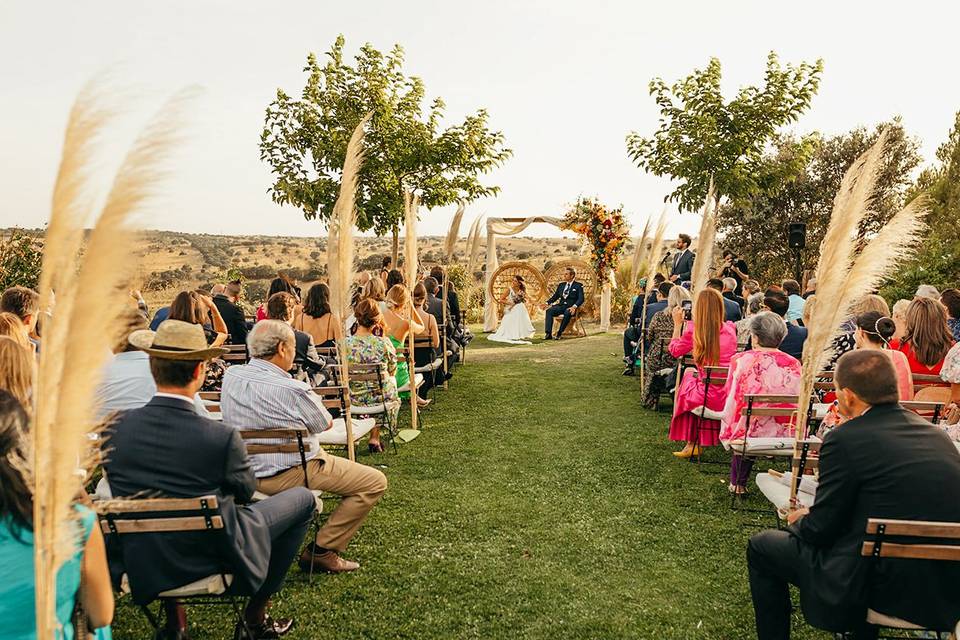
165	448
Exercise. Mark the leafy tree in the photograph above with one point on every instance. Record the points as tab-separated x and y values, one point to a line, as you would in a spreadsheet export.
702	136
21	255
304	141
937	261
797	182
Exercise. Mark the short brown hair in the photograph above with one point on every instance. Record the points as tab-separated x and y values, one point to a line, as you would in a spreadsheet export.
280	306
869	374
950	298
20	301
685	238
172	373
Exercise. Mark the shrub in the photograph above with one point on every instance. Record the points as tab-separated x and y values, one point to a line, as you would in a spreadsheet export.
21	256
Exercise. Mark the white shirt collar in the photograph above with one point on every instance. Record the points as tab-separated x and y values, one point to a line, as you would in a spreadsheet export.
175	396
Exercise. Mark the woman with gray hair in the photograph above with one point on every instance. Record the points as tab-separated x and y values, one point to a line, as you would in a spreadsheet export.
752	307
658	357
762	370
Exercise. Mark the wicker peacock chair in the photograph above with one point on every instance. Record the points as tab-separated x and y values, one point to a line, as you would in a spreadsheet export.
533	279
585	275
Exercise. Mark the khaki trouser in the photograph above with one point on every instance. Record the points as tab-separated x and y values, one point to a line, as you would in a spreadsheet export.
360	487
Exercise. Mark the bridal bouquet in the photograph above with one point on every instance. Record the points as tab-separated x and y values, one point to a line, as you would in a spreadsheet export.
604	230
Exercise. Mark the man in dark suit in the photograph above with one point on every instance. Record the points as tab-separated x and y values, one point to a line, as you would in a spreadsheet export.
435	308
639	320
564	302
453	300
884	462
228	305
730	293
682	260
165	449
731	310
776	301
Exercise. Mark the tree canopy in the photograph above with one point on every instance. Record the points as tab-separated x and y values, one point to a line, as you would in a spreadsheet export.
797	181
304	141
702	136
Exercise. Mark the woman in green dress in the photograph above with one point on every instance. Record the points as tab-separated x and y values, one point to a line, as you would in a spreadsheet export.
400	321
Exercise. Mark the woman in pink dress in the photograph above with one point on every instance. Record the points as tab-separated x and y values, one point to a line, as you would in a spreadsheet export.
712	342
875	331
763	370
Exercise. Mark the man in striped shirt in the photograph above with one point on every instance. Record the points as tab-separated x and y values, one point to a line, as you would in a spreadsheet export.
262	395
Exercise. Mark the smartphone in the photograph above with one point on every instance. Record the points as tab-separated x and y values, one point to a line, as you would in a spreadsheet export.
687	306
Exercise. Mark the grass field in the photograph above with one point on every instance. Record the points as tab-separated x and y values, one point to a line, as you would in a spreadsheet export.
541	501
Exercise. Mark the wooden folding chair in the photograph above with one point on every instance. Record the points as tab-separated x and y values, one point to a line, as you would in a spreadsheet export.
910	540
374	375
236	354
338	398
940	395
432	369
923	381
928	410
717	377
122	518
416	380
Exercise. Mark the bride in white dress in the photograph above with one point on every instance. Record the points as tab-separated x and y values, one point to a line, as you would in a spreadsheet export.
515	327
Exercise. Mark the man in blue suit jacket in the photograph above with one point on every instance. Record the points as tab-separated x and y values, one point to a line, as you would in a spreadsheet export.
682	261
564	302
639	320
731	309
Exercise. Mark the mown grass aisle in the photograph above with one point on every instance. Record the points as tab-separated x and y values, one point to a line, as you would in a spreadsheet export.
540	502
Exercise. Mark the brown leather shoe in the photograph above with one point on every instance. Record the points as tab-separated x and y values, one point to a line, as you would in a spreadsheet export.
327	561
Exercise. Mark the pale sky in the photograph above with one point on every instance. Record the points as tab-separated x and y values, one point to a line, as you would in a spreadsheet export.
565	81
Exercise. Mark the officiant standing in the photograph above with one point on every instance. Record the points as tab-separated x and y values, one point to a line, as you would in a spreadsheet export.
564	302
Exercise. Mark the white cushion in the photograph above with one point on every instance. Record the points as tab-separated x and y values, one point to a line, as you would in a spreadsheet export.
337	434
777	490
211	585
763	446
103	491
366	410
883	620
418	380
707	413
433	366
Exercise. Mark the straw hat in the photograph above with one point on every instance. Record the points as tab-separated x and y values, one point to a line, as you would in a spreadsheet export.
175	340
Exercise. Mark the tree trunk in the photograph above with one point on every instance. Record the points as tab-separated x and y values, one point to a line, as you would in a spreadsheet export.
396	247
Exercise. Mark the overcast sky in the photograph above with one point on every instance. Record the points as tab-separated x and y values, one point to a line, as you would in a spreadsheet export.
565	81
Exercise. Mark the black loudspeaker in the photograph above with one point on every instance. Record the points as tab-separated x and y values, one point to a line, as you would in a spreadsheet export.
797	235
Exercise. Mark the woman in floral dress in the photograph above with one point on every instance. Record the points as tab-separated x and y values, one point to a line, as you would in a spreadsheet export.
367	345
658	355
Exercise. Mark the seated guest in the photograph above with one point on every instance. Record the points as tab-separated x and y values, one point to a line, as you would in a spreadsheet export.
793	342
433	304
658	357
374	290
927	291
385	267
750	287
640	319
166	449
17	371
927	338
811	288
455	336
732	311
192	307
950	299
950	373
262	395
369	346
162	314
358	284
729	292
844	341
87	565
394	278
899	315
875	331
795	300
808	308
227	302
12	327
453	300
884	462
277	285
424	355
658	278
753	306
315	318
712	341
24	303
764	369
398	322
281	306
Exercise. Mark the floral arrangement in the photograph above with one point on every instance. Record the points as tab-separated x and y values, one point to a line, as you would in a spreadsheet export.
603	230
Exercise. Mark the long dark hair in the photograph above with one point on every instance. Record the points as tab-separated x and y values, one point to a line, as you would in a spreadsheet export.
187	308
281	285
15	500
395	277
317	303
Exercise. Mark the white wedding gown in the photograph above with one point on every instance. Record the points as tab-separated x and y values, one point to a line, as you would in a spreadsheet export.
515	327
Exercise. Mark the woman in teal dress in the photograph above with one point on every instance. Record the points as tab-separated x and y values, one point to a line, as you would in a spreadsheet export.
400	320
367	345
89	563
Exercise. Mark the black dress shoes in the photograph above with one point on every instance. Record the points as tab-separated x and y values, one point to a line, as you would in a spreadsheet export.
269	629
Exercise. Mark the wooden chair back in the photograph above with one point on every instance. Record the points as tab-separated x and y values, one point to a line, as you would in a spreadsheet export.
334	398
933	394
929	410
284	440
159	515
924	381
913	539
808	459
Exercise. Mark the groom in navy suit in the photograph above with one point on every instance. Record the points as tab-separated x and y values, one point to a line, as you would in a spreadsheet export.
564	302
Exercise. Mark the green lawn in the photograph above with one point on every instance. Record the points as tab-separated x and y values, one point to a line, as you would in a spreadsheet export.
541	501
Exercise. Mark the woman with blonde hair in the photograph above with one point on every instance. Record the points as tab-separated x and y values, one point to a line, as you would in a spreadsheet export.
17	369
12	327
426	354
899	316
399	320
927	339
712	341
368	345
845	341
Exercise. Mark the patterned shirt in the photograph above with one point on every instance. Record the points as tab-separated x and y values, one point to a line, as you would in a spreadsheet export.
260	395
